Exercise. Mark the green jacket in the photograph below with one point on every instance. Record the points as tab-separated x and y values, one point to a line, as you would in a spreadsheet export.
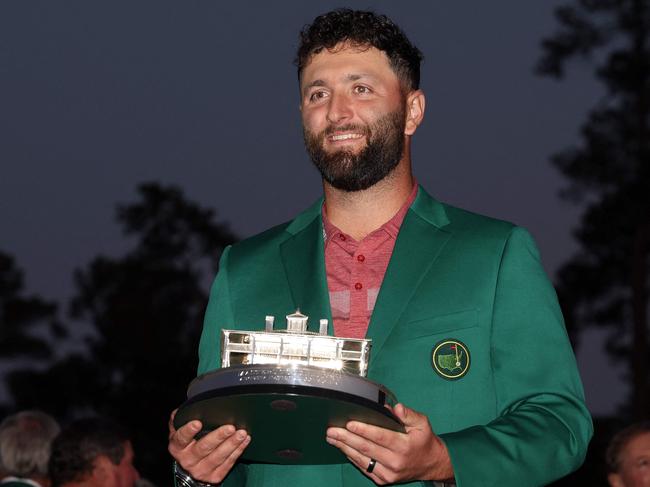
516	418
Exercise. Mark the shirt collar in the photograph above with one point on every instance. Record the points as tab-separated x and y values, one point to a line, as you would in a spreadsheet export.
391	227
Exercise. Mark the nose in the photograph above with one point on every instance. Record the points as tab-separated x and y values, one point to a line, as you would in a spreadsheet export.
339	108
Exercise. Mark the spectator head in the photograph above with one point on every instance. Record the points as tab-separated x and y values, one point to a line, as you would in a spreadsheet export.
93	452
628	457
25	441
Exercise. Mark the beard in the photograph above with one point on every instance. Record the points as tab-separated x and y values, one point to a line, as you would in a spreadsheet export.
350	171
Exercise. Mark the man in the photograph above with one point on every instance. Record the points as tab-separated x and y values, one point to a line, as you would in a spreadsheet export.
25	440
628	457
421	279
93	452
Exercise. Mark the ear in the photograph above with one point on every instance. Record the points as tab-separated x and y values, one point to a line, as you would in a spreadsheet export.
615	480
414	111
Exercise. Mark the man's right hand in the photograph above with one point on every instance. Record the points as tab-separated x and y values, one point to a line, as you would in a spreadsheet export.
210	458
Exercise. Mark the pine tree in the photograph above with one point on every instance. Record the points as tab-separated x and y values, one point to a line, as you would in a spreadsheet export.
606	282
146	311
21	316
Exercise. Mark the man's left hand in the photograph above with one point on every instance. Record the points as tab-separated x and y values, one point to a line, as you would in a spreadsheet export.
417	454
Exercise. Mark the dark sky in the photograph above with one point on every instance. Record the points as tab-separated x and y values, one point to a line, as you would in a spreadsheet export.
96	97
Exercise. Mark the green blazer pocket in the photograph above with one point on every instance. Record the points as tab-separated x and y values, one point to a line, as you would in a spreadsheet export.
438	324
424	379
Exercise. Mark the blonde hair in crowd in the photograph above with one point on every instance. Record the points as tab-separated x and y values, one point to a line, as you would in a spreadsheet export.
25	440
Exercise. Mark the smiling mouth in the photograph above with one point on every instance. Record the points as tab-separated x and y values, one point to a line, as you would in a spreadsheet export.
335	138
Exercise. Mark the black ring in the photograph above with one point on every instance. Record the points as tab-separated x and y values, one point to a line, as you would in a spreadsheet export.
371	465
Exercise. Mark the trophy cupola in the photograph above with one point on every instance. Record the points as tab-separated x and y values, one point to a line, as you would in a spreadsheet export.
297	322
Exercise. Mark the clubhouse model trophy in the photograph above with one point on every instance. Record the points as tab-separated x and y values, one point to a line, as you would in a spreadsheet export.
286	387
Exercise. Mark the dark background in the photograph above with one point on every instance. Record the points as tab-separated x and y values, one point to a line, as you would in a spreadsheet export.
97	97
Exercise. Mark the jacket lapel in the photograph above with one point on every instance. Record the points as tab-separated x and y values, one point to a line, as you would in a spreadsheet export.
303	257
421	238
419	242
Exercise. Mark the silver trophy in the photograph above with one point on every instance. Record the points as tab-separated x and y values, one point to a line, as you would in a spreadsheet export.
286	387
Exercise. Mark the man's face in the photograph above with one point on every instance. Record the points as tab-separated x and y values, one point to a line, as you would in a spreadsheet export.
634	464
353	115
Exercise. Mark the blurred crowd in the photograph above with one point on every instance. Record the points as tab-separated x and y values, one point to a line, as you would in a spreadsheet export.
92	452
97	452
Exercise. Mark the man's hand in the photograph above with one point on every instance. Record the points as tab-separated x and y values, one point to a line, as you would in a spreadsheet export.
210	458
417	454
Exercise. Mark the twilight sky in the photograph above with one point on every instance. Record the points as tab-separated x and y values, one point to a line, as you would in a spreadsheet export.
96	97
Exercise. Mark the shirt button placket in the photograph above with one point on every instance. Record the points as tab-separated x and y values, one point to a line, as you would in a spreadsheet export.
355	282
360	301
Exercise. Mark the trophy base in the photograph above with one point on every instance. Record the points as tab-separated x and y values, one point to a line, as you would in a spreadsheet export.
286	410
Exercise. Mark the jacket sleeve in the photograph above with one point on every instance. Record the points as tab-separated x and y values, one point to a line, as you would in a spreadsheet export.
543	428
217	316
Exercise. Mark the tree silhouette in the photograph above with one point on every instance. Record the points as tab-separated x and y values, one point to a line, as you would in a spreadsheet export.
28	324
606	282
21	315
146	309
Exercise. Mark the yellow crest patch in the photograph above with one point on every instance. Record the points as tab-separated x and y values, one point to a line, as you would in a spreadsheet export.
450	359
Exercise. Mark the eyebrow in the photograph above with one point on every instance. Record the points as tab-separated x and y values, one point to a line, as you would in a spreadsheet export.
316	82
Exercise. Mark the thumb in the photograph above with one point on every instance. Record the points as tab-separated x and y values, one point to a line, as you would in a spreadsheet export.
170	423
409	417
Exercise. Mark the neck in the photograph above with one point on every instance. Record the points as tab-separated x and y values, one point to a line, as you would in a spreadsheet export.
359	213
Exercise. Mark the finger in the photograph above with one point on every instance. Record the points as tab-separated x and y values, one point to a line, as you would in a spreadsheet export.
215	438
214	466
381	473
378	473
170	424
357	447
380	436
229	462
184	435
375	475
362	462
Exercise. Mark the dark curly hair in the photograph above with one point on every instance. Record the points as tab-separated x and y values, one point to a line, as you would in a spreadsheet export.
363	29
78	445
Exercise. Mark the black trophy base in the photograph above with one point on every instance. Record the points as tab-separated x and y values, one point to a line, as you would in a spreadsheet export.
286	419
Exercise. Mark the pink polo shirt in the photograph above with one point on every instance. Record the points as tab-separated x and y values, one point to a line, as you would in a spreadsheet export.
355	271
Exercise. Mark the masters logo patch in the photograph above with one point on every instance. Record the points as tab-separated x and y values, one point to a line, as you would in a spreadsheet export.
450	359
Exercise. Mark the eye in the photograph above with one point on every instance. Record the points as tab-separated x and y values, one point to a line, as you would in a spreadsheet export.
317	96
361	90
